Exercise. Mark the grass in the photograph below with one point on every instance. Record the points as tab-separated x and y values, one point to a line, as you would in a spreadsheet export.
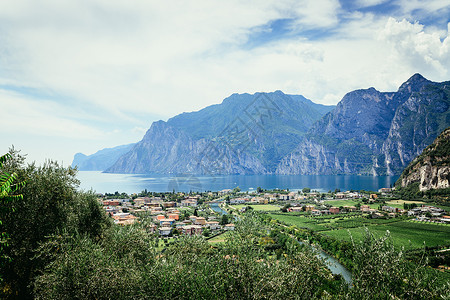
221	238
258	207
300	221
410	235
399	203
338	203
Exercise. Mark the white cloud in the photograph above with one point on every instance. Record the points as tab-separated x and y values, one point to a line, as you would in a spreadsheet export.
412	47
124	64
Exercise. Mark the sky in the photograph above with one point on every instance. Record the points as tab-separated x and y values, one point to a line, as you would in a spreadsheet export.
83	75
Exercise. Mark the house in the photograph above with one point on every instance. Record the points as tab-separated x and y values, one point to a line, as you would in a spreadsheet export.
229	227
111	202
373	196
200	221
385	190
334	210
124	218
168	222
192	229
389	208
174	216
295	209
213	225
365	208
340	195
191	203
165	231
237	201
139	201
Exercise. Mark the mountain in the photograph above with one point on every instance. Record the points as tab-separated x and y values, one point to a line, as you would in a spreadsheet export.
100	160
372	132
245	134
431	169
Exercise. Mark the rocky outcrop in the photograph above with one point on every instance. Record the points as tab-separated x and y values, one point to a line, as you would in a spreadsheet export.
431	169
373	133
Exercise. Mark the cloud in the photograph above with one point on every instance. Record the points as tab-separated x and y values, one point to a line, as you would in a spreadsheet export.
412	47
102	70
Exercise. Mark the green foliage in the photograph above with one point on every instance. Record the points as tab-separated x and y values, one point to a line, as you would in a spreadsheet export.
8	193
125	266
382	272
50	205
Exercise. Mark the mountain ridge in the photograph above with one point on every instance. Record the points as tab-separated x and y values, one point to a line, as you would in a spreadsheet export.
368	132
365	133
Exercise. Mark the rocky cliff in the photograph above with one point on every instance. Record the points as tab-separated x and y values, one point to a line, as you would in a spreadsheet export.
431	169
372	132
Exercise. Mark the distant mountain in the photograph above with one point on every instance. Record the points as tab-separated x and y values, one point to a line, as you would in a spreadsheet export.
431	169
372	132
245	134
100	160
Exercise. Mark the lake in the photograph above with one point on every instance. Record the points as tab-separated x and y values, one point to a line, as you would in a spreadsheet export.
133	183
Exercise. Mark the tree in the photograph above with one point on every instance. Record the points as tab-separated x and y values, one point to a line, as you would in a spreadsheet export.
8	189
306	190
236	190
224	220
50	205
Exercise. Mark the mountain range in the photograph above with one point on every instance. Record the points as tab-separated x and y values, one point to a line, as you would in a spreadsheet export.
368	132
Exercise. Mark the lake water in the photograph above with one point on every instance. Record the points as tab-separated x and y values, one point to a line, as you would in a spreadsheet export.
133	183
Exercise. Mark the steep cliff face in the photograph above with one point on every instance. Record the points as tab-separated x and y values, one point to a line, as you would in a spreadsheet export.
370	132
246	134
431	169
417	122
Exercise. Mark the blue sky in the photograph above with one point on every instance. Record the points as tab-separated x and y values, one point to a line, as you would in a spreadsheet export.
79	76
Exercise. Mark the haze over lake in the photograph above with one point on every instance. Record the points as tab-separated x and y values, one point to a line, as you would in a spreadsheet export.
132	183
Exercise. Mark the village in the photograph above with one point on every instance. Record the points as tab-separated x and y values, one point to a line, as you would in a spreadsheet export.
170	214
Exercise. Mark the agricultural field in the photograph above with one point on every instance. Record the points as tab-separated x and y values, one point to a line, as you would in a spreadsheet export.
219	238
258	207
399	203
410	235
405	232
338	203
350	202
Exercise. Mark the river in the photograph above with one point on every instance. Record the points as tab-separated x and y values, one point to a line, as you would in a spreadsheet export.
332	263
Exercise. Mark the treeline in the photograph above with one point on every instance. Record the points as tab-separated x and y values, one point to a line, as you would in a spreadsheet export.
62	246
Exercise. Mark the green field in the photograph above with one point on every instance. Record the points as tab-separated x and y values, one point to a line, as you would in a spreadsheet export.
404	234
349	202
300	221
219	238
399	203
258	207
338	203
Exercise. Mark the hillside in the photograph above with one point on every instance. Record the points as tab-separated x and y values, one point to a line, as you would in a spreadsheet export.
431	169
